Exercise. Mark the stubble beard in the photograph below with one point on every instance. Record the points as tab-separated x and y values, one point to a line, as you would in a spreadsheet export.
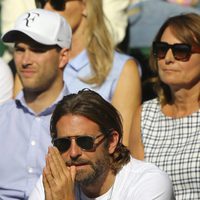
98	170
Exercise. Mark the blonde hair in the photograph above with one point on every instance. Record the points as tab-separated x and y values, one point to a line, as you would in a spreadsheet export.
99	43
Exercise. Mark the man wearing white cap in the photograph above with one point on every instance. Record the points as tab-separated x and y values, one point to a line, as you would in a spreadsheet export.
41	39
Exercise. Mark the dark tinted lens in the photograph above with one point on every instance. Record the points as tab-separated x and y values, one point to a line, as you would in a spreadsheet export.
63	144
85	142
181	51
40	3
160	49
58	4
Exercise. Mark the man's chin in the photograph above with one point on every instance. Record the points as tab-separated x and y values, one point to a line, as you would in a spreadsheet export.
85	180
32	89
84	176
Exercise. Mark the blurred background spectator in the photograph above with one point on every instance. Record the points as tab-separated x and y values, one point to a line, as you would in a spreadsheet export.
185	2
115	11
146	16
6	82
10	10
6	78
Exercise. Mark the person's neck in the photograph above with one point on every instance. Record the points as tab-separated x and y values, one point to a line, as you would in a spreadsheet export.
78	41
40	100
100	186
185	102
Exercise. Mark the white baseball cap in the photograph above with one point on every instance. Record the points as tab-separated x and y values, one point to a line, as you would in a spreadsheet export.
45	27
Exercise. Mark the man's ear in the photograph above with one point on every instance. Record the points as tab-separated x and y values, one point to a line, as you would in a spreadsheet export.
64	57
113	141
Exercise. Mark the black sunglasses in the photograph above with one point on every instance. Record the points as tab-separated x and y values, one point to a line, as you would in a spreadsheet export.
180	52
56	4
40	3
86	143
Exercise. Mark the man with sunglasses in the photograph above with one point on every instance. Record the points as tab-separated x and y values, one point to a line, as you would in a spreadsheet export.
89	161
41	42
110	73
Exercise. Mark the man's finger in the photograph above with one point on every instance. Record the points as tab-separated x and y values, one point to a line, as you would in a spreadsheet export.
47	189
73	173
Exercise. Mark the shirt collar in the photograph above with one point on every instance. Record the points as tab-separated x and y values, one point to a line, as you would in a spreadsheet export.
79	61
21	103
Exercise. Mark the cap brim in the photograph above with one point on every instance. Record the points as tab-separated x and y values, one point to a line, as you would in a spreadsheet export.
13	35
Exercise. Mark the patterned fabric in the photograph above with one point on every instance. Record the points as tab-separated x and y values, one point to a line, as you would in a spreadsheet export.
174	146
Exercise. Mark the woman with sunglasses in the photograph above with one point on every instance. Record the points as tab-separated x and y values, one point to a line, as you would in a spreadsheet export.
94	63
166	130
11	9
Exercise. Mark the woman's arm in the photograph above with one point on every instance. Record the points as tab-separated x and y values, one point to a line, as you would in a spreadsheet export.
127	96
135	140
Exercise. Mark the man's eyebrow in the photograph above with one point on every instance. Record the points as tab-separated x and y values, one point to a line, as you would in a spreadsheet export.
40	48
36	46
16	45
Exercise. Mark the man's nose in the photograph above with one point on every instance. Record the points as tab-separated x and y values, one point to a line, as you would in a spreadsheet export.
74	150
26	60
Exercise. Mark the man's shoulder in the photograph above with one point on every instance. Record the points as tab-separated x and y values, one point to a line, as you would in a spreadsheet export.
142	166
141	171
8	112
137	166
8	105
143	180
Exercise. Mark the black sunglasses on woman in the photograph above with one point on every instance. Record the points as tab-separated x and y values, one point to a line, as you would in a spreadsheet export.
56	4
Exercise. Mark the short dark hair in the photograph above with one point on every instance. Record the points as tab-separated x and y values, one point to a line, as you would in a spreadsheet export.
22	37
90	104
